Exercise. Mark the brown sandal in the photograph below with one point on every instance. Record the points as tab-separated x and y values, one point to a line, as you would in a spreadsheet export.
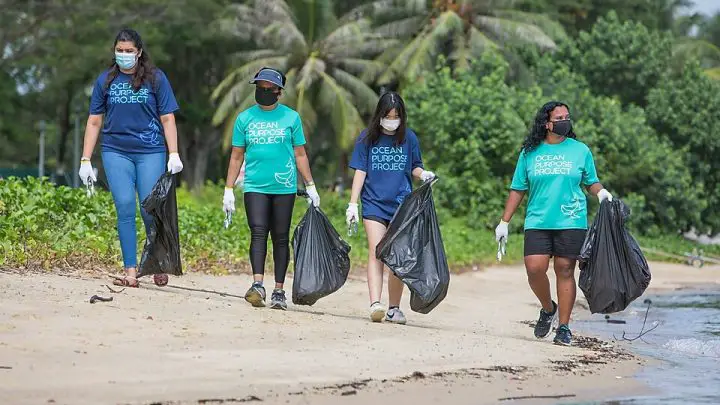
125	282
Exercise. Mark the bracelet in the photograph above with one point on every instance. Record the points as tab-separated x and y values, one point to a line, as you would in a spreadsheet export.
84	159
310	184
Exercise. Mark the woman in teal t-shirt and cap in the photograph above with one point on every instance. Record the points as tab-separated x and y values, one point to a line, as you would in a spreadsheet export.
552	169
268	137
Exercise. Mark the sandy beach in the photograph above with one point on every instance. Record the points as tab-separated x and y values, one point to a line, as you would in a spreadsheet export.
175	346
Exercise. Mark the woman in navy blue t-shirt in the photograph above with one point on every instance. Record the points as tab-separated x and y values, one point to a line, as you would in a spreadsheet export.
386	156
133	105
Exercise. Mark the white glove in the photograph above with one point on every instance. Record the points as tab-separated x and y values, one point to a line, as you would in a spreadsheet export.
603	195
313	195
427	175
86	172
501	232
174	164
229	200
352	215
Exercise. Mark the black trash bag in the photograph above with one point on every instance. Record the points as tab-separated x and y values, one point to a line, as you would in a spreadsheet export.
162	247
613	270
413	250
322	258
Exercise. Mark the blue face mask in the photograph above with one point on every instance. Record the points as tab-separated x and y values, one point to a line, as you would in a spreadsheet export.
126	61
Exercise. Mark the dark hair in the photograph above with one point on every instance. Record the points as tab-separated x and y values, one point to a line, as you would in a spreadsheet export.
145	70
387	102
538	131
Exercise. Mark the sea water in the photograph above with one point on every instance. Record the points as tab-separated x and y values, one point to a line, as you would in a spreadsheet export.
686	341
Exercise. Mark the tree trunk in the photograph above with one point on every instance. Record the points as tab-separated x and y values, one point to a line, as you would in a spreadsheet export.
199	145
64	127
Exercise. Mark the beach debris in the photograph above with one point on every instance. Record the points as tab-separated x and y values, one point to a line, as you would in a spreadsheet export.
561	396
96	298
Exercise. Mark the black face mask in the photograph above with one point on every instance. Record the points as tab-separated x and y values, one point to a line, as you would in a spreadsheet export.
266	97
562	128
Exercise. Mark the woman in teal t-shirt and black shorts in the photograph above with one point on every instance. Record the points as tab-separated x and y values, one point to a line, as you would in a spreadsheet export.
269	138
552	169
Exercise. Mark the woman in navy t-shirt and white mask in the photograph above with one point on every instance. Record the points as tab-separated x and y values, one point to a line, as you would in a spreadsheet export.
133	105
385	158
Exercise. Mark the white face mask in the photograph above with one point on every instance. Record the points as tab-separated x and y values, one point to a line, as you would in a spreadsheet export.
390	125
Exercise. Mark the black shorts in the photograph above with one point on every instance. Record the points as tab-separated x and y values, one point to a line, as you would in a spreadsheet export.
377	219
561	243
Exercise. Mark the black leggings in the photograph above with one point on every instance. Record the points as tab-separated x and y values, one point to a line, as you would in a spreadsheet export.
269	213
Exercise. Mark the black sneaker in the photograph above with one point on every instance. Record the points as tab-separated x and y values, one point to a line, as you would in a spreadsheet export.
256	295
545	323
277	300
563	336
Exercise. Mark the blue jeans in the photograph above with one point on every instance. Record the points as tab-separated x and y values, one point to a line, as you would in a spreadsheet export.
128	173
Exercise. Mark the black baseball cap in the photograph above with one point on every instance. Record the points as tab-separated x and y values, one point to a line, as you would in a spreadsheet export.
270	75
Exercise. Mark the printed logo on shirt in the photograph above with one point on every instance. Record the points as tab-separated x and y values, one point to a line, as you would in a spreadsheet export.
151	135
265	133
388	158
571	210
287	178
551	165
123	93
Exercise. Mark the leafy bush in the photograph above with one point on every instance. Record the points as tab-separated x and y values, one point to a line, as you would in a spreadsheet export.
470	129
685	108
623	59
44	226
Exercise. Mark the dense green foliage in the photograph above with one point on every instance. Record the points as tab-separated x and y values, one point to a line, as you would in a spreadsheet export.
641	81
45	226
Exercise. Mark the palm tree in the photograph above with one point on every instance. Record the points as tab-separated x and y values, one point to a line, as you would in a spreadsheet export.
323	56
460	29
694	39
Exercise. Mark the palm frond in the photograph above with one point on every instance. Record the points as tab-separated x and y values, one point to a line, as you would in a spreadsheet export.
377	8
349	35
306	111
690	48
460	54
231	100
504	30
403	28
230	120
249	56
479	43
423	59
346	120
545	23
364	97
713	73
284	36
367	70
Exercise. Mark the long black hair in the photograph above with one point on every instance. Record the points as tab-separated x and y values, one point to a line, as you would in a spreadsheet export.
538	131
145	70
387	102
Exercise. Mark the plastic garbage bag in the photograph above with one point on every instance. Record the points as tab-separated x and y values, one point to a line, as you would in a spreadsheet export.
613	270
413	250
322	258
162	247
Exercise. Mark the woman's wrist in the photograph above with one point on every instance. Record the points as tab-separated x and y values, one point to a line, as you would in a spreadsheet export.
309	183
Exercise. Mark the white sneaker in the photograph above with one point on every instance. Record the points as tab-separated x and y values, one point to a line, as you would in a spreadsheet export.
377	312
395	315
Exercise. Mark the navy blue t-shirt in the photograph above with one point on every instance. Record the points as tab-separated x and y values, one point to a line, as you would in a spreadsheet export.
389	172
132	118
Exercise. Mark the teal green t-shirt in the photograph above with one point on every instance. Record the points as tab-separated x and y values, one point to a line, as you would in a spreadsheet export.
553	175
269	138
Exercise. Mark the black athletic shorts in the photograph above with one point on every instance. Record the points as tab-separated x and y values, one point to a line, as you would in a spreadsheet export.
377	219
561	243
